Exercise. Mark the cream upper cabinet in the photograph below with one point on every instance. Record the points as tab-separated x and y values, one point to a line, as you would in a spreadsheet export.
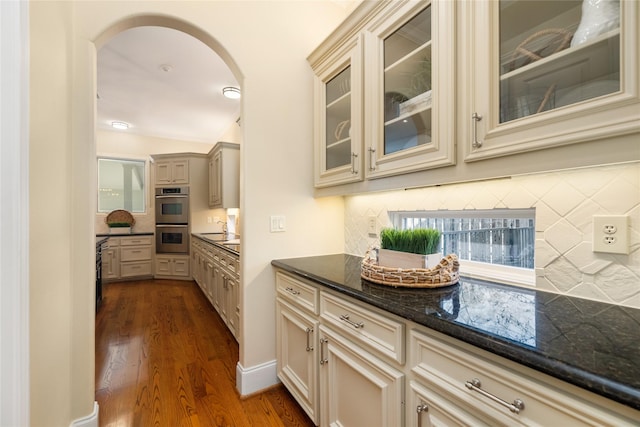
224	175
540	74
383	93
170	172
338	115
409	107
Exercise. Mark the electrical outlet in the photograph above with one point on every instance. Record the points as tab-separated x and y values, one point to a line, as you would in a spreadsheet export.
371	224
611	234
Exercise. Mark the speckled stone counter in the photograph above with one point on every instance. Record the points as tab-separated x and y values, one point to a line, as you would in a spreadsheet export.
218	239
149	233
590	344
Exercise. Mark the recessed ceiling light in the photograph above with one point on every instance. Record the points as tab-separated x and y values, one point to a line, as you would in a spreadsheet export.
120	125
167	68
231	92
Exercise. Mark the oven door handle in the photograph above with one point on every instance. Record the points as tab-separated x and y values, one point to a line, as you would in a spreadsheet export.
171	225
173	196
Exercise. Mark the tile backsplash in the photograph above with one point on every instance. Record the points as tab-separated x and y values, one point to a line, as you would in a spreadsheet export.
565	202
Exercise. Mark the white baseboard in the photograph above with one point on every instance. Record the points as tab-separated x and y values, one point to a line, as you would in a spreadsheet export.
255	378
90	420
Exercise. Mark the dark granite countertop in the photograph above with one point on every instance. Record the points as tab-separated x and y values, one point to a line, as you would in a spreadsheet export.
147	233
218	239
590	344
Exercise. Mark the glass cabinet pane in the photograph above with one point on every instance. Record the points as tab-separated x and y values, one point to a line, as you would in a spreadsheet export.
556	53
407	84
338	120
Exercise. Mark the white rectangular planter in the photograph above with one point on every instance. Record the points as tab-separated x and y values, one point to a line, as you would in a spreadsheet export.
120	230
389	258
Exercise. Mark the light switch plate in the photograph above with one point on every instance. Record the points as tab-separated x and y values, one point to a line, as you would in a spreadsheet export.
278	223
372	224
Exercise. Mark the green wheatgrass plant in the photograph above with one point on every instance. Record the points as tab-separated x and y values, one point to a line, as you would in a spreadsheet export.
118	224
423	241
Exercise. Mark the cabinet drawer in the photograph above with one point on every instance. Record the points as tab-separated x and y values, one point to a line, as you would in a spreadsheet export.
135	253
112	242
133	269
294	290
136	241
380	333
449	370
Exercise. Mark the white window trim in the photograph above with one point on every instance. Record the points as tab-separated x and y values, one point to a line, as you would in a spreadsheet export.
498	273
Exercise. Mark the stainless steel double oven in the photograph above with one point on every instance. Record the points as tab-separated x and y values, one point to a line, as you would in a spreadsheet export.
172	220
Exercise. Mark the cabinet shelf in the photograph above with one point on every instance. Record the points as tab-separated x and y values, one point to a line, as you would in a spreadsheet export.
337	144
401	75
575	74
586	62
340	103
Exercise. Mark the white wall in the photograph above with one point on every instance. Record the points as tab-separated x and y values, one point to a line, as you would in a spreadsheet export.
265	44
565	202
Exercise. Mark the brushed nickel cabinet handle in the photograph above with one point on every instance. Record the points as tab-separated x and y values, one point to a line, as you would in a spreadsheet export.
516	406
309	331
423	407
354	156
476	118
372	165
323	361
292	291
357	325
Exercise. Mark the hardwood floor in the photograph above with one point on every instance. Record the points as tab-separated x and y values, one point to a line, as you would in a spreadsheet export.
165	358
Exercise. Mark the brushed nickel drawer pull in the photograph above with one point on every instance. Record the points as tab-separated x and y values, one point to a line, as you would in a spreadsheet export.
356	325
292	291
515	407
323	361
423	407
308	331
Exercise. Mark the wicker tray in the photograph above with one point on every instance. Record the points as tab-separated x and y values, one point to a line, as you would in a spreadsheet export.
446	273
121	216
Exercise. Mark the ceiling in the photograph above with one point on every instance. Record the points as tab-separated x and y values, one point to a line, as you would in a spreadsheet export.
164	83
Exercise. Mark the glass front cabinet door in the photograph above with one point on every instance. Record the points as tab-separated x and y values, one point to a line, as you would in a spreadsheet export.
409	72
338	115
546	73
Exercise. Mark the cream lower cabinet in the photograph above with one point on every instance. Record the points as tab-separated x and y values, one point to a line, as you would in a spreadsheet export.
297	342
453	380
135	256
172	266
297	364
349	364
111	259
339	377
127	258
357	388
228	298
217	272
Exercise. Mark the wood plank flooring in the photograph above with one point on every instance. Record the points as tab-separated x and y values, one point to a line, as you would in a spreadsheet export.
165	358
